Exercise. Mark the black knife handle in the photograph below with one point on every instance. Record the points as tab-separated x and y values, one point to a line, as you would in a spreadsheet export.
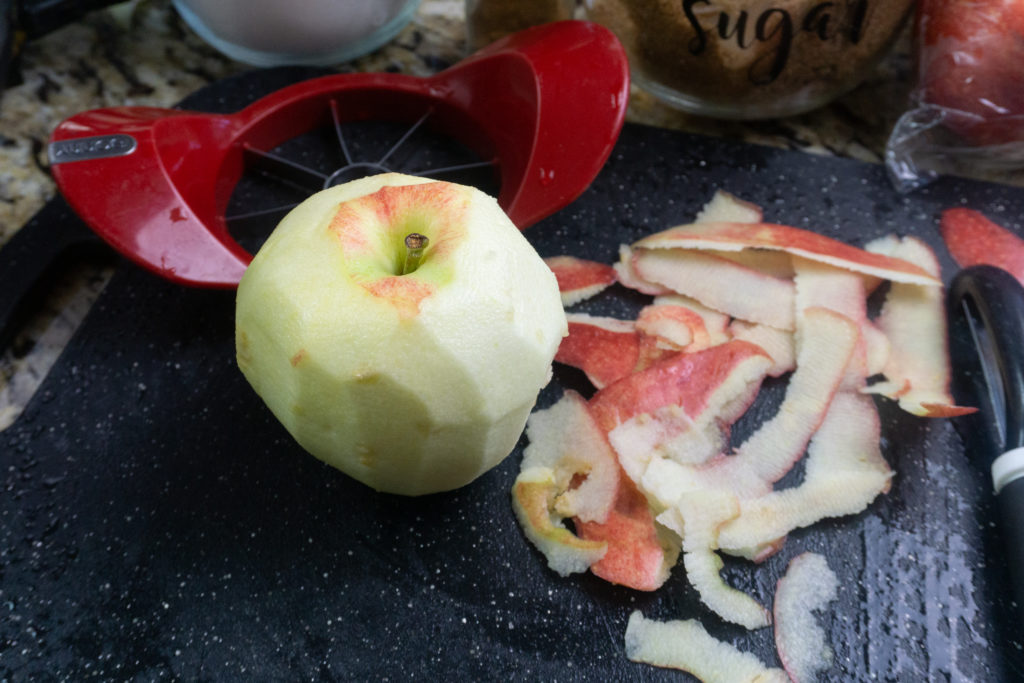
998	300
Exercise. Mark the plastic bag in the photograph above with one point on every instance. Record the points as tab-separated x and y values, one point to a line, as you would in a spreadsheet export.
968	111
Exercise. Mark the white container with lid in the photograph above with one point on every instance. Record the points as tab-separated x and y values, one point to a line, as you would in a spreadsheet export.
307	32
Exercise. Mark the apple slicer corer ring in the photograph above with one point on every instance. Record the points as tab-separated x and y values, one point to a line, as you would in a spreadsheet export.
543	107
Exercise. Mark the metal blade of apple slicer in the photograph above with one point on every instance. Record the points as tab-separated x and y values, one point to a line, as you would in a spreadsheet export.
277	180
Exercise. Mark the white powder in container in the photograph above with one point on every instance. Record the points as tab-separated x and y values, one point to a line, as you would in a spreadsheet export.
292	30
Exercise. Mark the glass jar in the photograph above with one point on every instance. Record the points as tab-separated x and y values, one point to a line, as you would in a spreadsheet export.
748	59
488	20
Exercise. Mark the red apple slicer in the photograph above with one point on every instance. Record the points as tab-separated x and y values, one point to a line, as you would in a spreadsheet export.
543	108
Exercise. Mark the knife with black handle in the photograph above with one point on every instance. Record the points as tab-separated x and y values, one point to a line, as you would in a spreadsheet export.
986	309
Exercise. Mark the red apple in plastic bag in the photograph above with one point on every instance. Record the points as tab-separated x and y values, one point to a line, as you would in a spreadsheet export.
971	53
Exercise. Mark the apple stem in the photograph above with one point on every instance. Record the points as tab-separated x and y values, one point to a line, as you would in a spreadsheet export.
415	243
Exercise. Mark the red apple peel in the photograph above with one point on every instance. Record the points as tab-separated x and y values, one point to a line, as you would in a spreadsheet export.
724	207
974	239
720	284
677	326
565	439
628	277
638	556
841	291
715	323
844	473
670	431
776	343
605	349
779	443
913	318
702	351
568	470
798	242
829	340
675	380
580	279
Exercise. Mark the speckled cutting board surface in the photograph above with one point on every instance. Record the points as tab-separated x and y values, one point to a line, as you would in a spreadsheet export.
156	521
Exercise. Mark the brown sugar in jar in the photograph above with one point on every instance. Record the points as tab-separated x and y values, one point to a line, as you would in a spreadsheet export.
489	20
747	59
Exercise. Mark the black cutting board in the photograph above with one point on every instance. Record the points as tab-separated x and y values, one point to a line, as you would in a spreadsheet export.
157	523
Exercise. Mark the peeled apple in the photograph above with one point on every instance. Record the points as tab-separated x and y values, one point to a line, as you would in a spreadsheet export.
412	380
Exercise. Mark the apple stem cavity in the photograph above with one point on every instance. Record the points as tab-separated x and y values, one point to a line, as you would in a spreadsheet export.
415	244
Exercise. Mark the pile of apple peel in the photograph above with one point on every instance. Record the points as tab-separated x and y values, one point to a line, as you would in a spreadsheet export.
645	468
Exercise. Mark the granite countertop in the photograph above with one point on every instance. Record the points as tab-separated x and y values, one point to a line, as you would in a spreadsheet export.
141	53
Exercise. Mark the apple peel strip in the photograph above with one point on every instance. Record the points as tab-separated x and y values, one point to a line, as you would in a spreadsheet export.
687	646
532	501
696	396
972	239
808	586
913	319
844	473
828	342
796	241
640	555
716	324
684	379
670	433
565	439
580	279
779	344
719	284
725	207
565	444
605	349
768	454
697	517
628	277
844	292
677	326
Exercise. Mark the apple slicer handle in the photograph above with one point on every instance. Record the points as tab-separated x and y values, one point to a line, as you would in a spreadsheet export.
133	175
583	93
552	101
